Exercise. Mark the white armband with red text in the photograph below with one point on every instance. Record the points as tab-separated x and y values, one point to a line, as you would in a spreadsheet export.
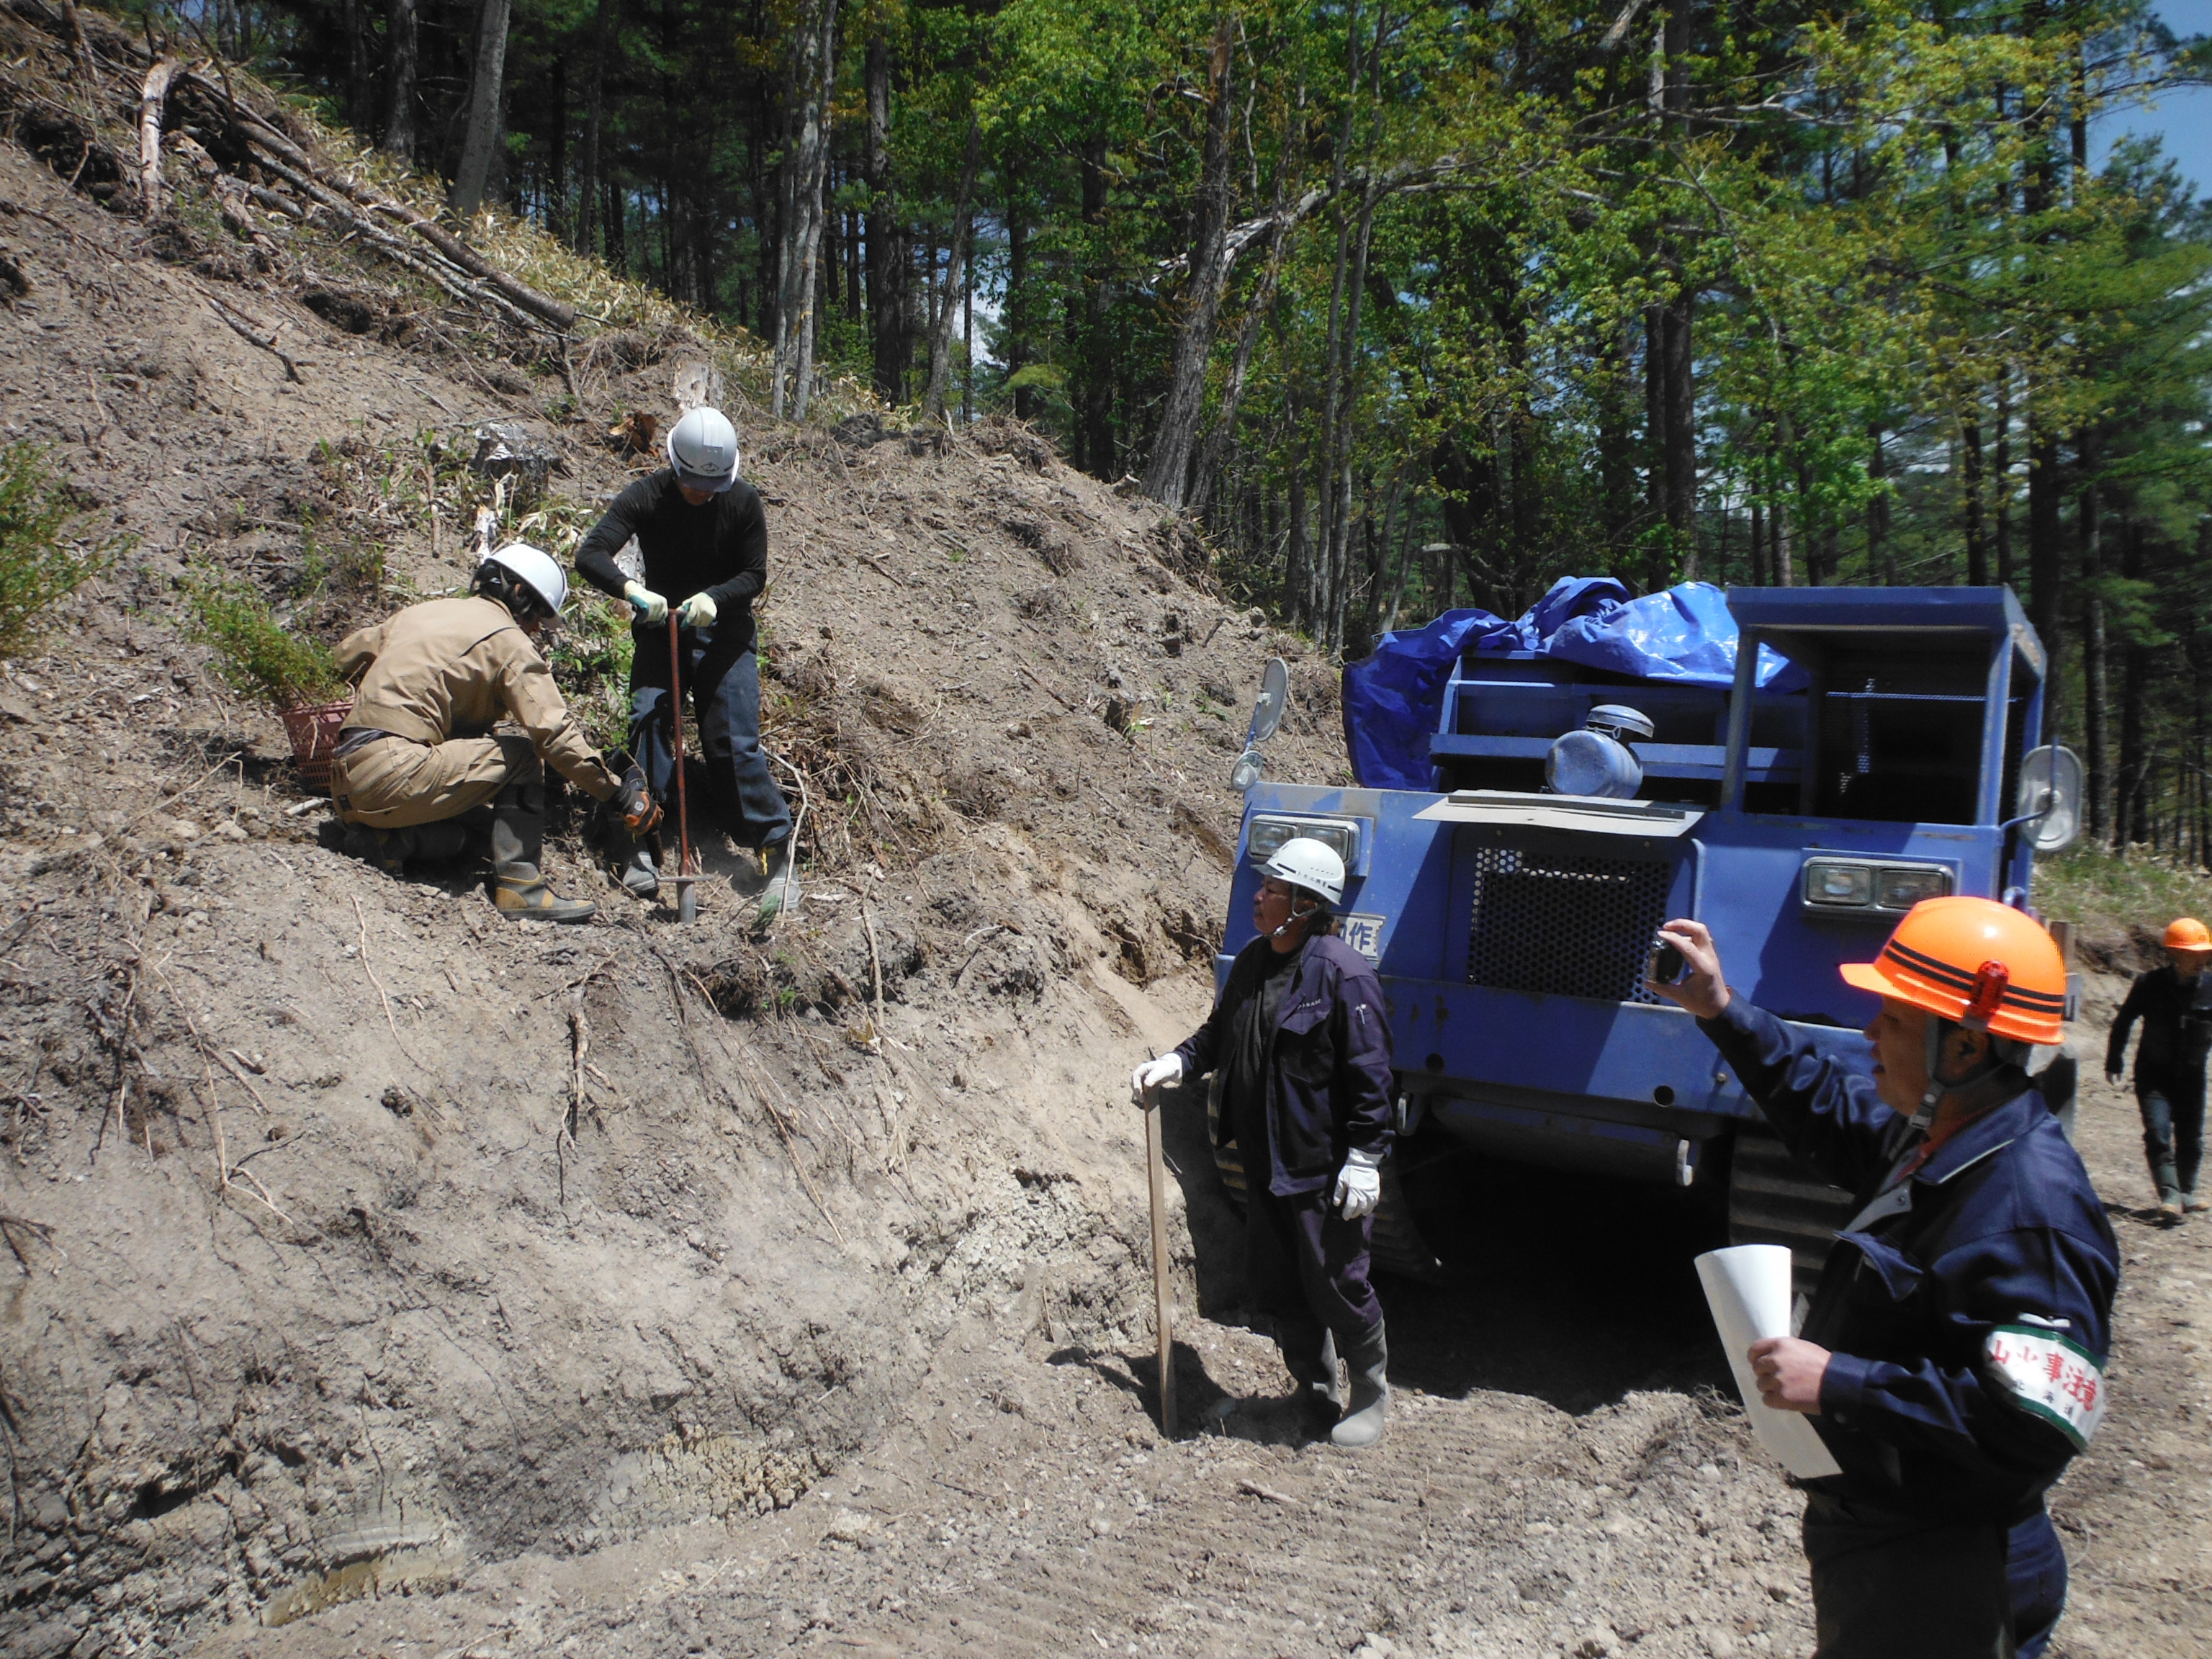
2050	1377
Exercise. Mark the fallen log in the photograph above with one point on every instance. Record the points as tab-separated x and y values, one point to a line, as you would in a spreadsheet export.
266	138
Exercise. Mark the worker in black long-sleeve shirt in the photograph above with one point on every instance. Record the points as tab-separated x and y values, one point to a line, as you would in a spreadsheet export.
702	532
2175	1006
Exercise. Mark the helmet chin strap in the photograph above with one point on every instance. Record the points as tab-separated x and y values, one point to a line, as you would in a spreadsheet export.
1938	1085
1296	916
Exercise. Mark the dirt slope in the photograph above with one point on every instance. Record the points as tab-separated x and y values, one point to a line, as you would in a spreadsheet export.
420	1324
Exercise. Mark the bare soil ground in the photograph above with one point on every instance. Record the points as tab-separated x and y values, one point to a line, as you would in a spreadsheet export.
354	1305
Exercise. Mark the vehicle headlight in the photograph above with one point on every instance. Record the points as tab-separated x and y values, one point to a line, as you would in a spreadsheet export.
1828	882
1878	888
1267	834
1900	890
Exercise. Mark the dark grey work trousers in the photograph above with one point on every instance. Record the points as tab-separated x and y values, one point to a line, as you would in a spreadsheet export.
1306	1266
1886	1590
2173	1135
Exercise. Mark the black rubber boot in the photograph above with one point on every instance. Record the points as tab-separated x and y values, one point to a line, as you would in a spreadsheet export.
1309	1354
641	870
1370	1392
518	838
381	847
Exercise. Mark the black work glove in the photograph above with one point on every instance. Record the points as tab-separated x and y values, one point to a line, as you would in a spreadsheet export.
640	813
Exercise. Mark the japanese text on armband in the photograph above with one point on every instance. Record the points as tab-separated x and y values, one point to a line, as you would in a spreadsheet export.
2050	1377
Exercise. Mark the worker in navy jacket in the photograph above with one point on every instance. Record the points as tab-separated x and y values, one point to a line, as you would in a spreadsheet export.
1953	1357
1299	1035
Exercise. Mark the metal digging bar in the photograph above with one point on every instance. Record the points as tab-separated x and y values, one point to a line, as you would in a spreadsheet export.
687	899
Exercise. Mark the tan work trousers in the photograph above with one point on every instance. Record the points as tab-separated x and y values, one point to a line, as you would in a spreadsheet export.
394	784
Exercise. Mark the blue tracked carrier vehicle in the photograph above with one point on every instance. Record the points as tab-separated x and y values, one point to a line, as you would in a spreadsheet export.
1511	921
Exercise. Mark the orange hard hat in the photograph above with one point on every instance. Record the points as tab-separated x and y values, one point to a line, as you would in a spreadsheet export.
1984	964
2187	934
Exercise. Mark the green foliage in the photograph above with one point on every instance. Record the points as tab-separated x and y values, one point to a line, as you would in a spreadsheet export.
257	655
2099	890
37	569
590	653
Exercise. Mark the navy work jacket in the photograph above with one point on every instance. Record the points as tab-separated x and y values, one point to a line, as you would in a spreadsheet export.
1328	1067
1995	1249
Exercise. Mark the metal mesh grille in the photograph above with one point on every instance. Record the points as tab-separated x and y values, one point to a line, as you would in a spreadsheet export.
1561	925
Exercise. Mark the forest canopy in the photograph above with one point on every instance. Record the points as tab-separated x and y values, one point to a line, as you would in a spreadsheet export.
1421	305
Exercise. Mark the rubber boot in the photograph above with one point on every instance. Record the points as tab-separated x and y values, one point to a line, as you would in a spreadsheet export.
782	889
437	843
381	847
641	870
518	889
1370	1393
1310	1355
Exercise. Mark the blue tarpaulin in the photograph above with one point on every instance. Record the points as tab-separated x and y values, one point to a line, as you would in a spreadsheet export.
1393	699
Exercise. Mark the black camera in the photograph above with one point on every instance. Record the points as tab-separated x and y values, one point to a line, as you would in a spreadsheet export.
1666	966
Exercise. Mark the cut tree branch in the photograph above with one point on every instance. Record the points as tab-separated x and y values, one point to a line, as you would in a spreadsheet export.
152	96
273	144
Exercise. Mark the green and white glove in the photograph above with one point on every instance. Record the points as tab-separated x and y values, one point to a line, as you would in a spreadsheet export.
649	606
697	611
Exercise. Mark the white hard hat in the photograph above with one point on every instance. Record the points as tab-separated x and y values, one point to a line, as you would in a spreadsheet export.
1312	864
538	569
702	448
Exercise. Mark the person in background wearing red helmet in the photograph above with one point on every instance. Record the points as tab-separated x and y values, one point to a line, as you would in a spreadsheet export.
1953	1357
2175	1006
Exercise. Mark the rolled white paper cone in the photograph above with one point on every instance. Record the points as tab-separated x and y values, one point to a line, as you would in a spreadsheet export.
1747	1288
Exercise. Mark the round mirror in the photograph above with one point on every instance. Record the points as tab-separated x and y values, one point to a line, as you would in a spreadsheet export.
2048	803
1246	773
1275	698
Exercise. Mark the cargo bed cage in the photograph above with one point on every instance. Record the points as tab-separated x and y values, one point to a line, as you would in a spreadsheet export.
1511	926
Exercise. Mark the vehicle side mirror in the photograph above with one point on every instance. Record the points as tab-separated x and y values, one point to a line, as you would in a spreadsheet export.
1249	767
1275	698
2047	805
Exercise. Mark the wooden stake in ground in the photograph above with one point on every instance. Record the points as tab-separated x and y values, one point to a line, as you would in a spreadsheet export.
1163	1305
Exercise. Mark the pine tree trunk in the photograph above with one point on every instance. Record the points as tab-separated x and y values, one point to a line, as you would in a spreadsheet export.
400	54
487	99
1018	290
1167	475
603	42
1978	549
357	82
949	290
2001	468
812	69
885	252
1096	408
2044	562
1256	308
2090	530
2128	811
556	185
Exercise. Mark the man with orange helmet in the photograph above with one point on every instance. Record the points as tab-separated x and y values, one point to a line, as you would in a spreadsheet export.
1953	1357
2175	1006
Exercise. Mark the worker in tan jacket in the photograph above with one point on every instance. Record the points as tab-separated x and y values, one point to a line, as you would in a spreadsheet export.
442	688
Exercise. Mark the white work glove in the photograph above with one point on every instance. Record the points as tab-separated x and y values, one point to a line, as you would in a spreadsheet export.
1154	1074
1358	1185
697	611
649	606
